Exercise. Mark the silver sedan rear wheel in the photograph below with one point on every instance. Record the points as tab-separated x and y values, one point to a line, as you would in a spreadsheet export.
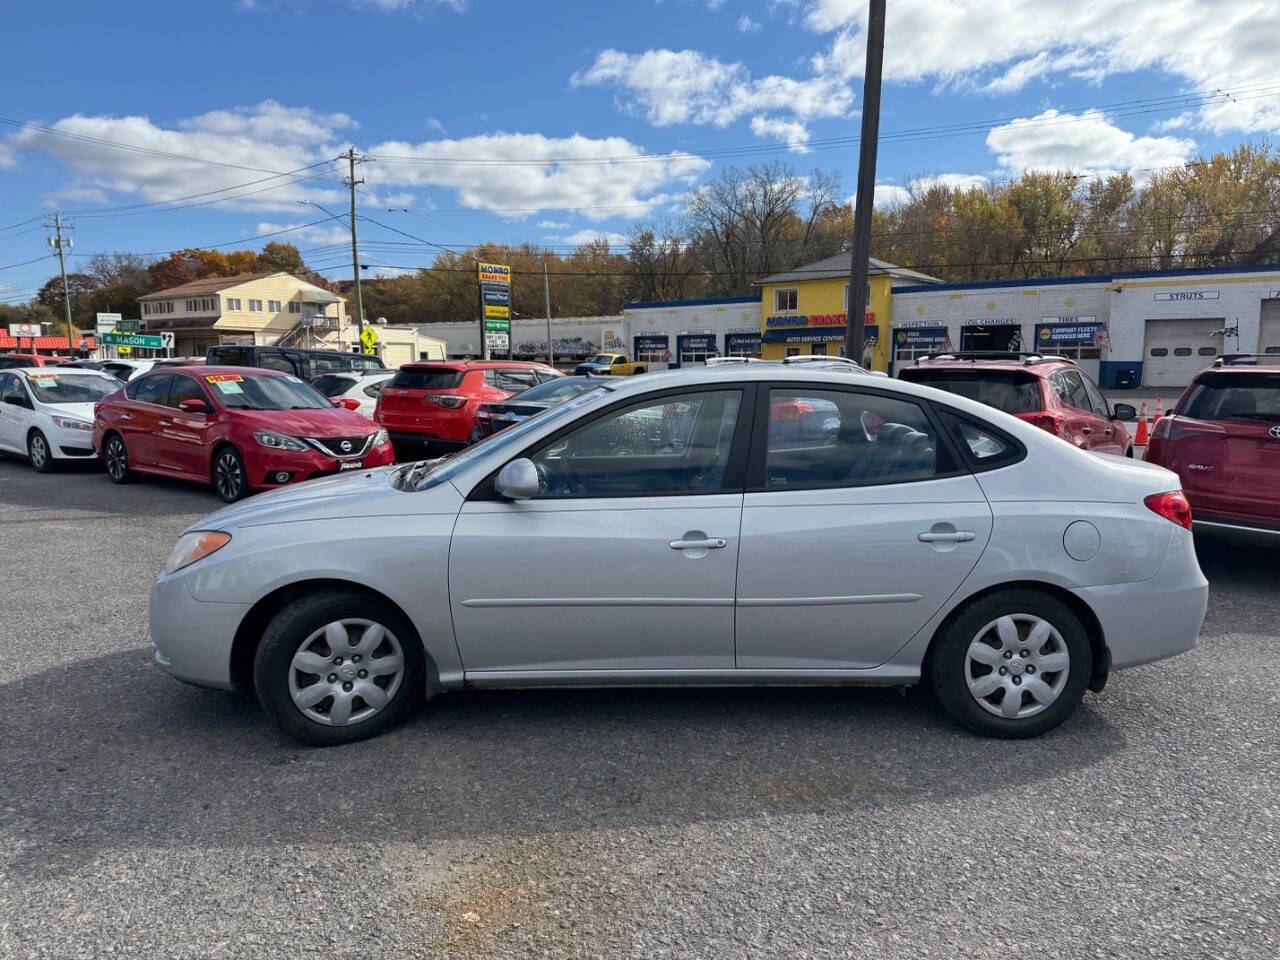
1017	665
345	672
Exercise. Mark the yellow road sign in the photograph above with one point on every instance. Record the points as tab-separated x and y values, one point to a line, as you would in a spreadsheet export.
369	337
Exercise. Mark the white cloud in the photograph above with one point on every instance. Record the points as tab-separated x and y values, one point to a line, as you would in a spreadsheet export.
685	86
393	200
589	236
318	234
1003	44
747	25
892	194
75	194
546	174
1180	122
1086	143
411	6
7	157
552	225
791	132
715	4
433	124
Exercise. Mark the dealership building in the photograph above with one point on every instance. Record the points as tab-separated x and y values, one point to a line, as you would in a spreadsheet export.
1149	329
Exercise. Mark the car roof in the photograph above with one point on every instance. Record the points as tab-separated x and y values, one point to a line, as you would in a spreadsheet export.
472	364
50	371
1032	363
213	370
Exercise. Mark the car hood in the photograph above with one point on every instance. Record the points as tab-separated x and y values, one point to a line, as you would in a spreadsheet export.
365	493
331	422
77	411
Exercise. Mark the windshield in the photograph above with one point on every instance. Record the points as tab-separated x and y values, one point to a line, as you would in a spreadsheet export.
249	391
602	358
430	473
1236	396
71	387
331	386
1007	391
554	390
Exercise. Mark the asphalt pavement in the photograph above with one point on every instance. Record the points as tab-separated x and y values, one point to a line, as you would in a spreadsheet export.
143	818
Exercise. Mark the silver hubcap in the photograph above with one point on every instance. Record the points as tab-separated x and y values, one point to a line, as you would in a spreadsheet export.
346	672
116	459
1016	666
39	452
228	476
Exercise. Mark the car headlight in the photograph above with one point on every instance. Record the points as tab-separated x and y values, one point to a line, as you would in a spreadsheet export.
194	546
278	441
66	423
380	437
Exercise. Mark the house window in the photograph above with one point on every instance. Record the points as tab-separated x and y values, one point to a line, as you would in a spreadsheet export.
255	306
191	306
233	303
273	306
786	298
295	306
146	309
846	297
168	306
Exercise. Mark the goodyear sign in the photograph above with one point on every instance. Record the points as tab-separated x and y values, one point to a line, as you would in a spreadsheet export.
495	273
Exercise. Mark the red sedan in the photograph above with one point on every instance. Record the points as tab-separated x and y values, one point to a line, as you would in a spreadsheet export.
237	428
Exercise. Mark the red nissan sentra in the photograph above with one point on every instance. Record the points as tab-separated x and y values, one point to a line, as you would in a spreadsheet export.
238	428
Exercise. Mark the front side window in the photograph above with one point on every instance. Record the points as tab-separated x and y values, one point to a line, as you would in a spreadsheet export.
149	389
666	447
184	388
11	391
821	438
786	298
1096	400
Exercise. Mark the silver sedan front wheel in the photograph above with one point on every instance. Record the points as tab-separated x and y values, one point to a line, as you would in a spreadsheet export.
346	672
1017	666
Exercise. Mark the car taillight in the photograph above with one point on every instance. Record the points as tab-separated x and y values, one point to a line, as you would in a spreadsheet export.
1162	429
1045	421
447	400
1172	506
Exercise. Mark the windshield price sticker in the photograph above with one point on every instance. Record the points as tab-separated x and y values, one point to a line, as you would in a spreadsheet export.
42	376
224	378
228	386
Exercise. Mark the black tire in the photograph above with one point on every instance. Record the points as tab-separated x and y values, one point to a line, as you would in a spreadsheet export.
292	626
115	459
639	370
229	477
948	664
39	453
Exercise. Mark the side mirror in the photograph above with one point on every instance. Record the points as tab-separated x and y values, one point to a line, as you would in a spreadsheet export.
1124	411
518	480
193	405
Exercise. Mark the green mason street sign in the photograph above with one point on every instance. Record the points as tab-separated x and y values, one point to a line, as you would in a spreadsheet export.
150	341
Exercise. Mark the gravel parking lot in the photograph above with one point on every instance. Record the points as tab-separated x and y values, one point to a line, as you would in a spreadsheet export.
139	817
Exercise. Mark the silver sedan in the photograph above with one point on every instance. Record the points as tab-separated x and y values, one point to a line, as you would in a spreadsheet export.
658	531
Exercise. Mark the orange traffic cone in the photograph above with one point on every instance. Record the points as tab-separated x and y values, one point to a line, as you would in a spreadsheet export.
1159	408
1143	436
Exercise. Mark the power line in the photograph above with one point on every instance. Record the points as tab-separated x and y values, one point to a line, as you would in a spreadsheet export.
24	263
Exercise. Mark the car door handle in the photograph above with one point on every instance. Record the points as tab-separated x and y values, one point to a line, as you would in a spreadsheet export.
125	416
1086	429
958	536
166	423
708	543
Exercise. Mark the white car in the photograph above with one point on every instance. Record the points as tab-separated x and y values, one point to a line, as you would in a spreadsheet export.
660	530
46	413
363	388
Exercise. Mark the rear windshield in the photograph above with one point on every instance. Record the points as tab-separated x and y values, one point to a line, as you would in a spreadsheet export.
1235	396
330	385
1005	390
226	356
427	378
71	387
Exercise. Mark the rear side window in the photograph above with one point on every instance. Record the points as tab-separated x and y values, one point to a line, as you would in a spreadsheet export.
227	357
149	389
982	445
513	381
269	360
329	361
1235	396
332	386
1008	390
427	378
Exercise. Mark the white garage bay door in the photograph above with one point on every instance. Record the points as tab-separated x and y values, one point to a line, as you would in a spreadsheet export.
1269	334
1176	350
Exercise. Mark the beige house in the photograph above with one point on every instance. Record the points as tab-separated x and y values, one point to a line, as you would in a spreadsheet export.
261	308
400	343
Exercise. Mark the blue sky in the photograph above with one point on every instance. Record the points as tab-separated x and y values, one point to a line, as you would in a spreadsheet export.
515	121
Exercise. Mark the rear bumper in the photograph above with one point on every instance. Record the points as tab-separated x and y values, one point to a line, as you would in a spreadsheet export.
409	444
1156	618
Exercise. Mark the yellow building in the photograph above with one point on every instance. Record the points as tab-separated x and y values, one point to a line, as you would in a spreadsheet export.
804	310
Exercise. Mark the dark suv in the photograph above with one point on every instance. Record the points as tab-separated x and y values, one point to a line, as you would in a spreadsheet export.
303	364
1049	391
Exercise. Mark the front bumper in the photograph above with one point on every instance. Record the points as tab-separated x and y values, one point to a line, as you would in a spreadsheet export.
193	637
1156	618
71	444
265	465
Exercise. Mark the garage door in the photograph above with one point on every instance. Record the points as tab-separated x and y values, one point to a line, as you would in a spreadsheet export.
1269	334
1176	350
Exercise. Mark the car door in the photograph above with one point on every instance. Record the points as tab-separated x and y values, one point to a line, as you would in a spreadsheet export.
1109	435
626	559
182	438
13	413
139	419
1075	411
850	542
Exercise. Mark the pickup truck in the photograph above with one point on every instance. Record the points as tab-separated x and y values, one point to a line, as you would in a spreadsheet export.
610	364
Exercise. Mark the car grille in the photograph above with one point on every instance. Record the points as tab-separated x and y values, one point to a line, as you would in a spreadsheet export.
341	446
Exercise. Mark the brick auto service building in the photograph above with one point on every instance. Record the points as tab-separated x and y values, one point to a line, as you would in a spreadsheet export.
1152	329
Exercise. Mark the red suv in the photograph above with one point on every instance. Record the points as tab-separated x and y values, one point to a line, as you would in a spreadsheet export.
237	428
1051	392
431	407
1223	440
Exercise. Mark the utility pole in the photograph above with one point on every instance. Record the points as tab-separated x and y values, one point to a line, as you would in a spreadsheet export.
59	243
355	253
546	292
856	309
